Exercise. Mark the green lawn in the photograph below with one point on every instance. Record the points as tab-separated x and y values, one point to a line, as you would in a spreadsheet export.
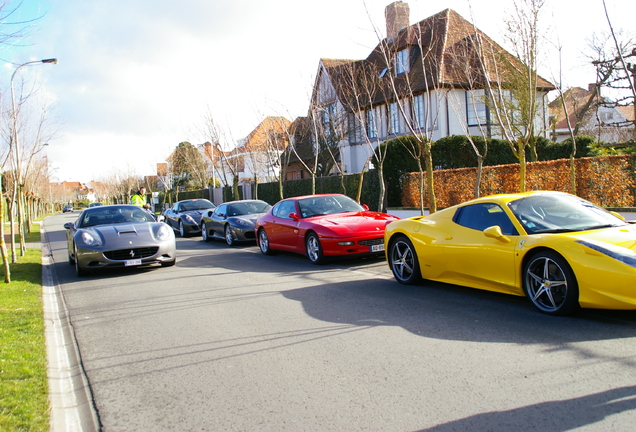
24	404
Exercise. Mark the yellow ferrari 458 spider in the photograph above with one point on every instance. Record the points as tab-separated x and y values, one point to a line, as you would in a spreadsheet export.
559	250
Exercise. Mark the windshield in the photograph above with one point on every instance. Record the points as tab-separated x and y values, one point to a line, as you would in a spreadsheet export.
327	204
247	208
555	212
114	215
197	204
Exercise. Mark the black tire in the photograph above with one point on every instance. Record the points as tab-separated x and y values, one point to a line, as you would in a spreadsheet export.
79	270
182	232
314	249
550	284
71	259
229	239
204	233
263	242
403	261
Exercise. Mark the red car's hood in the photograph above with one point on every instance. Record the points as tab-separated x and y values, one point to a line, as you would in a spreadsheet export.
358	222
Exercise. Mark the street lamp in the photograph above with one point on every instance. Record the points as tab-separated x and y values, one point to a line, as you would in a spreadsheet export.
18	169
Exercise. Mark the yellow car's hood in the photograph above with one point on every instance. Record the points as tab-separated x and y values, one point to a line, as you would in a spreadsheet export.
623	236
617	242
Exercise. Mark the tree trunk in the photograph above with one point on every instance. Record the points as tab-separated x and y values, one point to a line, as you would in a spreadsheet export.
430	179
359	193
480	167
3	246
521	155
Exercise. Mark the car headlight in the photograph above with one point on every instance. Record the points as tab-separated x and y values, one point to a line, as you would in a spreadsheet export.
621	254
90	240
242	222
190	220
164	232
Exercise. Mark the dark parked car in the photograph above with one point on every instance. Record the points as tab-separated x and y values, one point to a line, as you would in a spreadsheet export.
233	221
185	216
67	208
118	236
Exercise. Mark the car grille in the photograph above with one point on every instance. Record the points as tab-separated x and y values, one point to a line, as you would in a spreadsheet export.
125	254
371	242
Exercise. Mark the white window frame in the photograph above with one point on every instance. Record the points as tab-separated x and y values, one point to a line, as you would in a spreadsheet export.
329	113
423	117
402	62
394	119
476	109
372	131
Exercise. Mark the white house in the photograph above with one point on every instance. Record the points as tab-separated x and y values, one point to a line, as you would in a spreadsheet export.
426	79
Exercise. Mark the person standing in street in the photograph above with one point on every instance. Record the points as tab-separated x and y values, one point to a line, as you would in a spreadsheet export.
139	198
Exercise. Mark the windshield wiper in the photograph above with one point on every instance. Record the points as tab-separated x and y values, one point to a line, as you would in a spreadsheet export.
556	230
594	227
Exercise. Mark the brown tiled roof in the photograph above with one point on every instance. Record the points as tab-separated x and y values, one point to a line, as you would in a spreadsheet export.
258	139
444	52
72	185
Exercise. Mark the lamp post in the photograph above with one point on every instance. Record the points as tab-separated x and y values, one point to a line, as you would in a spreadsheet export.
17	184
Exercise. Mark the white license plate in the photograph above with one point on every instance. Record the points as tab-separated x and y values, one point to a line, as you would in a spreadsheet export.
377	248
134	262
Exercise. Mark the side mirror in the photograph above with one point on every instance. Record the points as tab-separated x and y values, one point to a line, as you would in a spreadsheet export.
294	216
617	215
365	207
495	232
69	225
161	218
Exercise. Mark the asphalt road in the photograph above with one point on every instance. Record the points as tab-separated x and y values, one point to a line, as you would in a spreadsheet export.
232	340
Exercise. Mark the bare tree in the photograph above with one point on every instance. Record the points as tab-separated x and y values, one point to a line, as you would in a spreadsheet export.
611	57
465	63
188	166
512	82
419	108
359	84
276	143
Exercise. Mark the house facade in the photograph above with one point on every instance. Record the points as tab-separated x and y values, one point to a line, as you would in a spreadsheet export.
591	114
430	79
256	158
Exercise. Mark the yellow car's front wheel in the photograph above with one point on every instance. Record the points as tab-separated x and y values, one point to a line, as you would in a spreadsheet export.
550	284
403	261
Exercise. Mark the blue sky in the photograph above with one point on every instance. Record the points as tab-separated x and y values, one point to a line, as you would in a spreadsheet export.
136	76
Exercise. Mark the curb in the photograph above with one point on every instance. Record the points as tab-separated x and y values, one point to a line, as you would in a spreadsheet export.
70	397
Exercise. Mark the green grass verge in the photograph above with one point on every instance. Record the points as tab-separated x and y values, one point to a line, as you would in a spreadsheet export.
24	403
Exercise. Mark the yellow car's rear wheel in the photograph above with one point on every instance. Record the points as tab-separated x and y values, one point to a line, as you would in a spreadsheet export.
550	284
403	261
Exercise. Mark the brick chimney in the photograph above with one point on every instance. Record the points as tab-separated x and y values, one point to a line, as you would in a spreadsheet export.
397	18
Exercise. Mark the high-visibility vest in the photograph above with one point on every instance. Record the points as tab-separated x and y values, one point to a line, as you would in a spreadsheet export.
138	200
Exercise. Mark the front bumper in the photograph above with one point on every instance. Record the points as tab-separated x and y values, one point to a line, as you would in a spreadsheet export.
130	257
352	246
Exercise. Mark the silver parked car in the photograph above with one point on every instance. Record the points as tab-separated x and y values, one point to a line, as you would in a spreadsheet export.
118	236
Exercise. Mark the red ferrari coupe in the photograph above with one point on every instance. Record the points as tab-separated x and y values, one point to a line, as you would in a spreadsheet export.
321	226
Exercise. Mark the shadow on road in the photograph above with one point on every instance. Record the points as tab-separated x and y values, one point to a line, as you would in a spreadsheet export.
555	416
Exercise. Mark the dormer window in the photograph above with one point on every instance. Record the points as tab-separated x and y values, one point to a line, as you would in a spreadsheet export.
402	62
